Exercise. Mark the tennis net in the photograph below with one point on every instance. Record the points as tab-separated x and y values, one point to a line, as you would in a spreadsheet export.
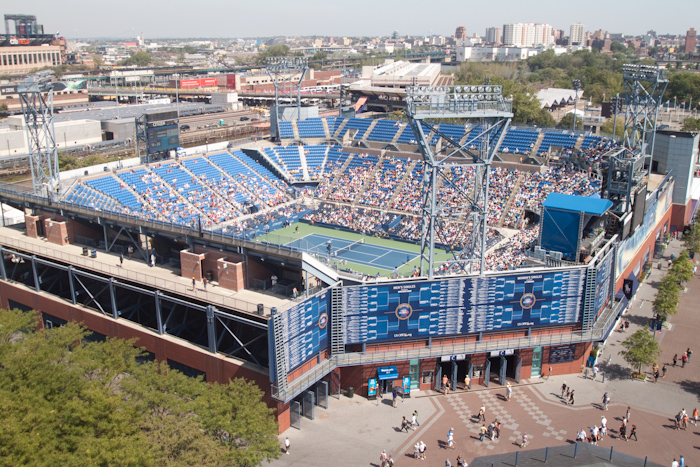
350	247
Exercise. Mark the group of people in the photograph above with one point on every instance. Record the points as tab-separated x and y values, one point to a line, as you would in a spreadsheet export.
567	394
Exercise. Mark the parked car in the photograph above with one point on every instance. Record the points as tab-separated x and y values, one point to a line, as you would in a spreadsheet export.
243	119
184	127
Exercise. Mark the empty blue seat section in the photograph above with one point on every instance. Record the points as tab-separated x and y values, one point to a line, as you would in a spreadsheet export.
384	130
406	135
557	139
311	128
590	140
110	186
337	122
233	165
456	132
315	155
82	195
519	141
286	130
288	159
360	124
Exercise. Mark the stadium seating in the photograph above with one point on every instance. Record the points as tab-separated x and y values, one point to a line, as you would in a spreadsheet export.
111	187
590	140
359	124
311	128
519	141
286	130
86	196
315	157
557	139
233	164
384	130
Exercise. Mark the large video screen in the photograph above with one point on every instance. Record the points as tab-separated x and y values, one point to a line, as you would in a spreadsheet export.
306	330
603	283
446	307
163	138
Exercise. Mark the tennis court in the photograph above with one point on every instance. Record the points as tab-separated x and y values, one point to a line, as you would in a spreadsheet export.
353	251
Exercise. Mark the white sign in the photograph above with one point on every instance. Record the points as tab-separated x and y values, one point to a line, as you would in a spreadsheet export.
502	353
453	358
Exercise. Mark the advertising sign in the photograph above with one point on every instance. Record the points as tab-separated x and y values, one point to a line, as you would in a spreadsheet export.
604	282
406	384
306	329
372	387
199	83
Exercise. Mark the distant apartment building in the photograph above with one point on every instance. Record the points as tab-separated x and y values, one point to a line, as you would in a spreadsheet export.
528	34
577	34
461	33
493	36
690	41
600	35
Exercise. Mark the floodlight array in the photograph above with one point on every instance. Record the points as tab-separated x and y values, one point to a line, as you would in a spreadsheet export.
643	72
286	62
462	93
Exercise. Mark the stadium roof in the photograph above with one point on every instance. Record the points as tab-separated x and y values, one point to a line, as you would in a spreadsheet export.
588	205
556	96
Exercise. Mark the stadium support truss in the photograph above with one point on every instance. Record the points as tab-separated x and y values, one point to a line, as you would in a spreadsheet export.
287	74
36	98
644	89
482	105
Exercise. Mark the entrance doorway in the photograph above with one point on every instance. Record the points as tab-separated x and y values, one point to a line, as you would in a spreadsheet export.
456	371
503	368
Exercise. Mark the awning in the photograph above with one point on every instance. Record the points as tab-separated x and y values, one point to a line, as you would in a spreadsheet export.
387	372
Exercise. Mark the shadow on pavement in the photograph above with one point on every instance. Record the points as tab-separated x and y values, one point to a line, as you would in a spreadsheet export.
692	387
616	371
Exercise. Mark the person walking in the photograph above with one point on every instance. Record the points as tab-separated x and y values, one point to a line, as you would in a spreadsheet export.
681	462
563	389
509	391
595	372
606	401
450	439
696	413
675	463
383	458
416	450
482	432
627	416
467	382
623	431
633	432
390	462
286	445
525	440
684	359
405	425
445	385
414	419
497	428
423	447
204	282
675	359
394	396
194	283
121	260
482	413
663	371
688	353
571	397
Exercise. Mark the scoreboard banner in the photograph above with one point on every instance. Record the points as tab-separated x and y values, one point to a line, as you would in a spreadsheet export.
604	282
410	310
163	138
305	328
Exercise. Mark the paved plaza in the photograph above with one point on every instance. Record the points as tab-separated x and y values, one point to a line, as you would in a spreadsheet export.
354	431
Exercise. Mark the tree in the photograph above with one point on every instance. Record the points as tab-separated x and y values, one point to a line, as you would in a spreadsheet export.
141	58
97	61
67	402
273	51
691	124
666	300
319	56
682	268
610	124
640	349
568	122
691	239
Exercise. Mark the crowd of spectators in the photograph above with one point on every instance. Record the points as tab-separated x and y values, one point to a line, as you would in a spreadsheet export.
366	221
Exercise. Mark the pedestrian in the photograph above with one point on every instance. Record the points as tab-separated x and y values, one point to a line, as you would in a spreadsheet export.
563	389
623	431
194	282
696	413
681	462
482	432
414	419
627	417
390	462
423	447
286	445
568	393
153	260
674	463
394	396
405	425
294	293
603	422
524	443
497	428
461	462
467	382
606	401
656	376
627	325
633	432
383	458
684	359
675	359
273	280
450	439
121	259
329	247
509	391
482	413
689	353
663	371
571	398
416	450
595	372
445	384
679	417
204	282
448	463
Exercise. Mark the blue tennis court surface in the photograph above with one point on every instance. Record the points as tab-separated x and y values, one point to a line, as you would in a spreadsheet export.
360	253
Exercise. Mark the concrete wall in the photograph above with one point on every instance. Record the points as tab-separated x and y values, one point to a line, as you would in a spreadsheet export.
677	152
13	141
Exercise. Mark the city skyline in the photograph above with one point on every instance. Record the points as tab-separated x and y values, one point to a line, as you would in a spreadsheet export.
216	19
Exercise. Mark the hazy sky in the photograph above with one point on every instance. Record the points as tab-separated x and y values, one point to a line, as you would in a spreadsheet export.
265	18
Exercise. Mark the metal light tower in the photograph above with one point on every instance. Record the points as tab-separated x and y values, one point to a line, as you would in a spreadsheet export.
287	74
577	86
644	89
485	105
36	98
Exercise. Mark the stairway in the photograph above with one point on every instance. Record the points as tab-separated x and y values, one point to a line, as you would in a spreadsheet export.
511	199
538	142
404	180
368	179
295	129
302	159
338	176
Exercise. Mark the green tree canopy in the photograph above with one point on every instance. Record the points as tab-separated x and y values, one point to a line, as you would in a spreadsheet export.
609	125
567	122
272	51
141	58
691	239
691	124
682	268
67	402
640	349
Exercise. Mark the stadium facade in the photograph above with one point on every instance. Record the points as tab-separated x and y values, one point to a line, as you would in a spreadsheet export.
127	253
